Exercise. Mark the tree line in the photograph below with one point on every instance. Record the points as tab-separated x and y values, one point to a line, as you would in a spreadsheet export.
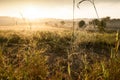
98	23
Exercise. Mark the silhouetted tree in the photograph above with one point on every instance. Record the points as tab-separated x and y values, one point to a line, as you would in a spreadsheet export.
101	24
95	22
62	22
81	23
106	18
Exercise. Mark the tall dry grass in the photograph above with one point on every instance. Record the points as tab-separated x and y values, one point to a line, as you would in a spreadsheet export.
44	56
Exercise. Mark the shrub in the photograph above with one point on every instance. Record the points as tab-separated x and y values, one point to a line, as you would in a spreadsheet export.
81	24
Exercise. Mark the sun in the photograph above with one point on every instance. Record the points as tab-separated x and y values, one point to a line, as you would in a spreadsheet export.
31	12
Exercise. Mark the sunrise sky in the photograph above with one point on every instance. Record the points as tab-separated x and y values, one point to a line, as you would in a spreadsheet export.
58	9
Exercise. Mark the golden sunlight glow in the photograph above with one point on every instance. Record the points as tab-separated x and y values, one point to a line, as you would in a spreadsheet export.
32	9
31	12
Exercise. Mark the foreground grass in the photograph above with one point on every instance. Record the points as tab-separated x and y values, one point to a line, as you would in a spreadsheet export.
44	56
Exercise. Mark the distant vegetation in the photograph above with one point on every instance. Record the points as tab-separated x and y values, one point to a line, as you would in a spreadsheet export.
82	24
101	24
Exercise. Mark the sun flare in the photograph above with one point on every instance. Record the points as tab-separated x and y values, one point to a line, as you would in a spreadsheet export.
30	12
34	12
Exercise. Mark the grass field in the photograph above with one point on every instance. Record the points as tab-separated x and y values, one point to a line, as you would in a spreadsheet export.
54	55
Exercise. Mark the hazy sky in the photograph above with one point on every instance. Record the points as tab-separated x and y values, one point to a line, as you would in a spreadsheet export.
58	8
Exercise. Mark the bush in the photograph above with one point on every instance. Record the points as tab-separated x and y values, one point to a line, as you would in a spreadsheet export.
100	24
81	24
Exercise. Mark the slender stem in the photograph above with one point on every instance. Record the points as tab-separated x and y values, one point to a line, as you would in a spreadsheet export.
91	1
72	42
73	18
95	9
